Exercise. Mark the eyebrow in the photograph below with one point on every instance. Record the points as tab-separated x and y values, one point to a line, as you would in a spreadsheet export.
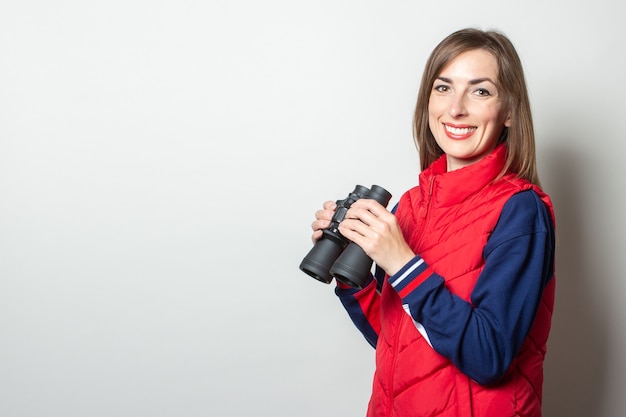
471	82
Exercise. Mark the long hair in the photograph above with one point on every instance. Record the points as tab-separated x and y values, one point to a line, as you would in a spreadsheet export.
520	136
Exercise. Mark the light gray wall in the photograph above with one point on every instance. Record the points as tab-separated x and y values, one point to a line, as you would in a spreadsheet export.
160	163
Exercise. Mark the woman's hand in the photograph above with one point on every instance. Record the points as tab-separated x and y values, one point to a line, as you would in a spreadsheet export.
322	219
375	230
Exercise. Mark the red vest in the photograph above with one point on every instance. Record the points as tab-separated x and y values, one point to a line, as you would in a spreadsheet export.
447	220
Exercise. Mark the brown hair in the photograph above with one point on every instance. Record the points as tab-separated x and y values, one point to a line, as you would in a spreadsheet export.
519	137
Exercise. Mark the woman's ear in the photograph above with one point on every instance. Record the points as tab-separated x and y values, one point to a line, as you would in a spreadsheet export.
507	121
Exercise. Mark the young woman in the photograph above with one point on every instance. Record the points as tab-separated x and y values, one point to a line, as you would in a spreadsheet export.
460	308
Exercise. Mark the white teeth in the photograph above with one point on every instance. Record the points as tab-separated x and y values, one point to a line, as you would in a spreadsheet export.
459	130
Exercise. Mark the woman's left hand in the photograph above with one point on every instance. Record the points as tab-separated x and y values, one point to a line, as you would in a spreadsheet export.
371	226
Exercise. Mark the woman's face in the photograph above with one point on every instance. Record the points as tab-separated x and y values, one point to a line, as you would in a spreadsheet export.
466	112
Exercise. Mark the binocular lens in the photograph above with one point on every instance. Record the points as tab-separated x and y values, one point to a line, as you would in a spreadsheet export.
352	267
319	260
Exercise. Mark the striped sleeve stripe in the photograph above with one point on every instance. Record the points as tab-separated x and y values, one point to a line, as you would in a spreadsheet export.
415	282
411	268
412	275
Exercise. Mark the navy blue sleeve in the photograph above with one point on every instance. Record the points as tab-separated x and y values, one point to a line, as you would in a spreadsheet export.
363	305
482	337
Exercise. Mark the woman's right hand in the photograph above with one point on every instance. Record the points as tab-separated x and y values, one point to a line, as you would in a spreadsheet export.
322	219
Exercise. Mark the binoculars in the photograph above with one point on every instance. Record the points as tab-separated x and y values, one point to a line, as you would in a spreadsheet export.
335	256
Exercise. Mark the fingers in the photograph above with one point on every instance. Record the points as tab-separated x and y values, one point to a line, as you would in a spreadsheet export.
366	219
377	232
324	216
330	205
322	219
369	212
369	204
363	217
316	236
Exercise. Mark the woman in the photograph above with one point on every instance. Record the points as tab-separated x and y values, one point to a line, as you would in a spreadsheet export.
460	309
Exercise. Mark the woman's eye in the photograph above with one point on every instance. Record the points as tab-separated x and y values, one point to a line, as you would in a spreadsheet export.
483	92
441	88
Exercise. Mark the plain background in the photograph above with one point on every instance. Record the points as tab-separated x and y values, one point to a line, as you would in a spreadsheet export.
161	161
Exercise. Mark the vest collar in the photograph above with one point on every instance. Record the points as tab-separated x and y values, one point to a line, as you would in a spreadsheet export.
449	188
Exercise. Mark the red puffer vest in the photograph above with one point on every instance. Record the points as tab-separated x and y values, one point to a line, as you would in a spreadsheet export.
447	220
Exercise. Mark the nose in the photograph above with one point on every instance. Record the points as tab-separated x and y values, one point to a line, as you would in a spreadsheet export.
457	106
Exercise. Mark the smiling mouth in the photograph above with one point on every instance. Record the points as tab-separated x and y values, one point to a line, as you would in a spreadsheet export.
459	131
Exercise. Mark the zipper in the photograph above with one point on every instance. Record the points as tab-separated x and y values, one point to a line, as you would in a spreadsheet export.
426	210
430	195
403	315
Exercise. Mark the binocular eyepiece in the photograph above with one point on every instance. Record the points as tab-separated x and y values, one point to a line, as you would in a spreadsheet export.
335	256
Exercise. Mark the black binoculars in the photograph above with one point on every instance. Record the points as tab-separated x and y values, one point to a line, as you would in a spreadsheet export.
335	256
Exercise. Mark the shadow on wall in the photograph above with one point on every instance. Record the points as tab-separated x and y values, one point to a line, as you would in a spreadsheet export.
576	363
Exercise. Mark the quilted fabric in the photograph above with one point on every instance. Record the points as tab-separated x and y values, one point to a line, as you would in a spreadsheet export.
449	227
